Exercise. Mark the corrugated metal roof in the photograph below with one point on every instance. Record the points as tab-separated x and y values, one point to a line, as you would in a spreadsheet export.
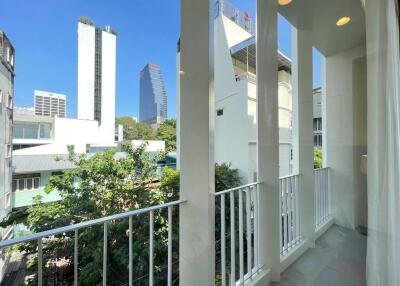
240	51
38	163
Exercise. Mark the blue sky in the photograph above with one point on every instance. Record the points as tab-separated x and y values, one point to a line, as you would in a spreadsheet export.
44	34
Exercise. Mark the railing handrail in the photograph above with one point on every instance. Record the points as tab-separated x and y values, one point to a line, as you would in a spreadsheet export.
323	168
237	188
72	227
289	176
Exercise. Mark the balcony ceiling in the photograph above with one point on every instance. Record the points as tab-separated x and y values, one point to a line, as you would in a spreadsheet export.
321	16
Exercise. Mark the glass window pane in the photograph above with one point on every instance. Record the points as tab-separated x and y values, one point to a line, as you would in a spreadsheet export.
21	184
14	185
29	184
36	182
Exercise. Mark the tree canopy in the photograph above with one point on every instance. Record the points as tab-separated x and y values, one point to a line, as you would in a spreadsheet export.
140	131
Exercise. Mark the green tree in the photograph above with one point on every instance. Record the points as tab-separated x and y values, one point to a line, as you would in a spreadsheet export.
317	158
167	133
135	130
101	185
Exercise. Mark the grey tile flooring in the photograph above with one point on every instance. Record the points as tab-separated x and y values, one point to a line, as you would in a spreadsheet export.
338	259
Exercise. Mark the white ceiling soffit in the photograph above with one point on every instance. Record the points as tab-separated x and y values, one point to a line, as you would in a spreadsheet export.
321	16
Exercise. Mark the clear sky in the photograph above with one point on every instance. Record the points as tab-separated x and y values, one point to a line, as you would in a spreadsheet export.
44	34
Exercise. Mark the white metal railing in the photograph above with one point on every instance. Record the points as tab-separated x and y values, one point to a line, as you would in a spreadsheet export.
246	76
246	199
322	196
243	19
290	232
105	221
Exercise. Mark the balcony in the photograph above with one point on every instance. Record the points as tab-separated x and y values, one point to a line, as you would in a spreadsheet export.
293	230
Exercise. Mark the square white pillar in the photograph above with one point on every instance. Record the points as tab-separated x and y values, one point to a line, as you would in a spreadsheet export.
302	77
268	135
196	116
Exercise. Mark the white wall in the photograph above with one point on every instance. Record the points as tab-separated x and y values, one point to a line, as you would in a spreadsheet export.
345	140
236	130
152	145
86	51
68	131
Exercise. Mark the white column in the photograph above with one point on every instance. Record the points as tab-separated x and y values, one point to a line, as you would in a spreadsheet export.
197	226
302	77
268	135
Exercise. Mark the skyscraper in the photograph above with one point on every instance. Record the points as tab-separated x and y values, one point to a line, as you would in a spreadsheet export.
153	96
6	114
50	104
96	76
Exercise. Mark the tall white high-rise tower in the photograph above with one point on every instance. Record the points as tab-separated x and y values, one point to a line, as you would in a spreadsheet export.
96	76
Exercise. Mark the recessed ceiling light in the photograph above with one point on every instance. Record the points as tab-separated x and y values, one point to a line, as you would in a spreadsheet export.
343	21
284	2
181	72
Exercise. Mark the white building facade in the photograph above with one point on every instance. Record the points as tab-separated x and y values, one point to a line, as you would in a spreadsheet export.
7	61
96	76
50	104
6	113
236	98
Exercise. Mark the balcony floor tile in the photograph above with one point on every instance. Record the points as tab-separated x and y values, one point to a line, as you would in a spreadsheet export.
337	259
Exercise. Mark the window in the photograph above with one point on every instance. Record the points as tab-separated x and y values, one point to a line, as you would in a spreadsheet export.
26	182
220	112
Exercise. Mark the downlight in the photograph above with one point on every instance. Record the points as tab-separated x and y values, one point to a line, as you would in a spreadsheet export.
343	21
284	2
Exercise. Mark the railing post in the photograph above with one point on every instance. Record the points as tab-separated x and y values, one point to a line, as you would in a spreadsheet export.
268	136
196	154
303	128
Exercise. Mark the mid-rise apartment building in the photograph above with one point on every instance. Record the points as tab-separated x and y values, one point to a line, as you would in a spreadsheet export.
317	112
50	103
153	96
96	76
7	74
7	60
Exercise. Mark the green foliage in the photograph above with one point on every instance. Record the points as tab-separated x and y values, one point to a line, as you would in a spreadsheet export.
226	177
101	186
167	133
317	158
135	130
140	131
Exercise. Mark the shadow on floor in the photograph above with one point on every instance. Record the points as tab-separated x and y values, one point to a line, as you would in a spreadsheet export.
338	259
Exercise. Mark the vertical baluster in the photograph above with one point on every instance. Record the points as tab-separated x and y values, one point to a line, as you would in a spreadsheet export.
329	190
151	272
105	255
233	258
315	198
40	262
318	195
323	194
76	257
241	252
130	252
223	246
299	190
294	209
285	242
280	216
326	193
255	199
170	246
248	226
290	211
